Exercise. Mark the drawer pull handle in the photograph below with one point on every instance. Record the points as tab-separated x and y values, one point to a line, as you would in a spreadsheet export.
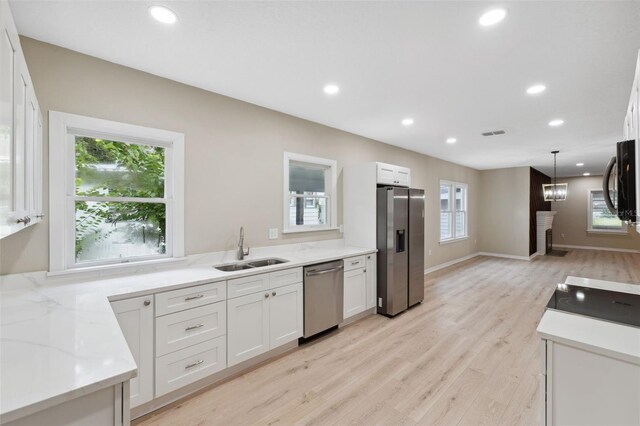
199	296
195	364
355	262
194	327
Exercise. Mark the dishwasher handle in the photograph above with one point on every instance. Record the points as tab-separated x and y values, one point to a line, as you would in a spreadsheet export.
314	273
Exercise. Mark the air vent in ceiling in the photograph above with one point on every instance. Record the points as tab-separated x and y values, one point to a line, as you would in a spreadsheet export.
495	132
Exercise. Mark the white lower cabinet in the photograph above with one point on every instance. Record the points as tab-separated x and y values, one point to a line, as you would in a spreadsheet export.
188	365
371	277
136	317
355	292
585	388
263	321
247	326
285	315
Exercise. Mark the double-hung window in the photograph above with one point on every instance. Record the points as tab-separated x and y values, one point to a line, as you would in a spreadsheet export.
116	193
453	211
599	218
309	193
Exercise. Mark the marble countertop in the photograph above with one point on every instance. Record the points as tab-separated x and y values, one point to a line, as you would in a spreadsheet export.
603	337
60	339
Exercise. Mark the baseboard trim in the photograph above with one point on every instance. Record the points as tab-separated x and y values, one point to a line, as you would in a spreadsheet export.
449	263
507	256
596	248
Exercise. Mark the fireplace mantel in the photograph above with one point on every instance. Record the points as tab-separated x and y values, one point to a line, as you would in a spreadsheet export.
544	221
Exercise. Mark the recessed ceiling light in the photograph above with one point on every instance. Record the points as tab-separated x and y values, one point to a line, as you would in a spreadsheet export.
557	122
586	174
407	121
162	14
492	17
452	140
579	164
536	89
331	89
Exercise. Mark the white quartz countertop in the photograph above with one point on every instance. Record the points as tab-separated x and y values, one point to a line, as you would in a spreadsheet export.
60	339
603	337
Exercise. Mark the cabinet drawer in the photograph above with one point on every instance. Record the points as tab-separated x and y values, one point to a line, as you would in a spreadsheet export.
247	285
188	365
187	328
285	277
354	263
190	297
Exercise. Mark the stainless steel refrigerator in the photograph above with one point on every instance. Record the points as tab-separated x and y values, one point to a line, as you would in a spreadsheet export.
400	241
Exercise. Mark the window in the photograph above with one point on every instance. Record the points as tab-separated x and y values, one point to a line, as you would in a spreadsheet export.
309	193
453	211
600	219
116	193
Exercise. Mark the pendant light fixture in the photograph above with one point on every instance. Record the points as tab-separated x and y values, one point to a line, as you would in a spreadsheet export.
555	191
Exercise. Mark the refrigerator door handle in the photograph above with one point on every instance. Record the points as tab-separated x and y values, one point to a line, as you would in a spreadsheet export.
400	241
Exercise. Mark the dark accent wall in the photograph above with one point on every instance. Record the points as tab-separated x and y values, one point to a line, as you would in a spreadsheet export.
536	204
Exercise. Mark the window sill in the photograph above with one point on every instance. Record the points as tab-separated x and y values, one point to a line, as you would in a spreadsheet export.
453	240
607	231
118	267
297	231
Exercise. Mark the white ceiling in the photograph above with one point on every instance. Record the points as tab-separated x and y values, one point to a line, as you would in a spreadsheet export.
426	60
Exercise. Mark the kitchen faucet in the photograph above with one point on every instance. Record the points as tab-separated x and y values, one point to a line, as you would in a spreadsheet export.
241	251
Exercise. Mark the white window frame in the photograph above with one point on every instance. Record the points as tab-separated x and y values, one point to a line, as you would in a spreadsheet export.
590	229
331	183
63	128
452	204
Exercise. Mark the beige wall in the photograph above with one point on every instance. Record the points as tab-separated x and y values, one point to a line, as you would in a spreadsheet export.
504	211
570	223
233	155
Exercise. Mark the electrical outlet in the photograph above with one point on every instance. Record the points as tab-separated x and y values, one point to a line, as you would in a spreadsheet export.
273	233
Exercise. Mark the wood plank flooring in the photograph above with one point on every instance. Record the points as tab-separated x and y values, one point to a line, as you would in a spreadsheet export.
469	354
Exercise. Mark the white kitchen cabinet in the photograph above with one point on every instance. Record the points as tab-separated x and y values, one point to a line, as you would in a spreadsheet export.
585	388
371	276
247	327
20	135
108	406
270	316
285	315
136	319
355	292
388	174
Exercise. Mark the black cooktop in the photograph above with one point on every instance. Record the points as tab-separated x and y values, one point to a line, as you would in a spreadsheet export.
623	308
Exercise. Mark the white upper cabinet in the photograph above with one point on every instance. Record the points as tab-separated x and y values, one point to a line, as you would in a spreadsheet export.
388	174
20	135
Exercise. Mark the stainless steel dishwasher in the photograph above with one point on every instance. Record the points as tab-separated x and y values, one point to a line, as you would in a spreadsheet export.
323	297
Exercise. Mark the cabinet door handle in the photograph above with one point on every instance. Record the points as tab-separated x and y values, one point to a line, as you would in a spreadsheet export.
266	295
199	296
364	270
195	364
273	294
147	302
194	327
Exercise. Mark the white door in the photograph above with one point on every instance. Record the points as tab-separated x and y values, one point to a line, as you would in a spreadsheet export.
135	317
247	327
7	58
371	274
355	292
285	314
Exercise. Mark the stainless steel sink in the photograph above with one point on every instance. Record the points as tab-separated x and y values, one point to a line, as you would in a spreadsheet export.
233	267
241	266
266	262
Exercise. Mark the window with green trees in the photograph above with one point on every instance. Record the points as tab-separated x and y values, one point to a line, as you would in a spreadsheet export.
120	205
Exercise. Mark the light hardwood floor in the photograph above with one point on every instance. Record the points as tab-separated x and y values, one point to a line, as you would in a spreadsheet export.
468	355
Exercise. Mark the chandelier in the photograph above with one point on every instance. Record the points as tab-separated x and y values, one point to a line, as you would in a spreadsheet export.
555	191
